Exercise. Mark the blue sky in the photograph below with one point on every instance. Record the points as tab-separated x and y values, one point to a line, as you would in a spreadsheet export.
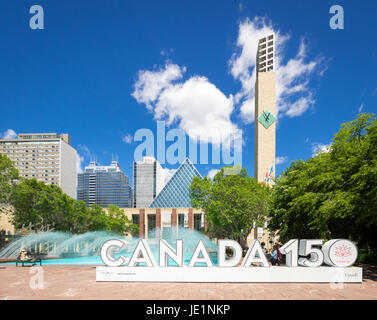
78	75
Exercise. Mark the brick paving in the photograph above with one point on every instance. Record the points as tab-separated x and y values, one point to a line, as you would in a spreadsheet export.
78	282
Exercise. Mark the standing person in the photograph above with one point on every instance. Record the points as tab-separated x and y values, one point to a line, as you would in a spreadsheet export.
279	254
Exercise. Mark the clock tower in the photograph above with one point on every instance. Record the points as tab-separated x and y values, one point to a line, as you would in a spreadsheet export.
265	111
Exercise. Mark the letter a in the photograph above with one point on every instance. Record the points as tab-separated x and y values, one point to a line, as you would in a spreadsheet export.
337	20
36	21
142	254
255	254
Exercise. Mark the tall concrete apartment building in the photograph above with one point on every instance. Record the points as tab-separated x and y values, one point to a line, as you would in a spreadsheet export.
265	111
148	181
104	186
47	157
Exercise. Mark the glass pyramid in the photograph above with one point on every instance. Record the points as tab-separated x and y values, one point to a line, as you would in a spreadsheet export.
175	194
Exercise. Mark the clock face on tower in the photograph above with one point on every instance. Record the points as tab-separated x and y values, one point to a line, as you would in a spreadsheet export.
266	119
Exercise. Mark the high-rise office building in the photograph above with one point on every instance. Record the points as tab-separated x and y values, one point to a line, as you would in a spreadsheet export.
265	111
104	186
148	181
47	157
176	192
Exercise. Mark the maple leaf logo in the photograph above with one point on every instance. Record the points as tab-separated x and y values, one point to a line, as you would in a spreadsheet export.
342	251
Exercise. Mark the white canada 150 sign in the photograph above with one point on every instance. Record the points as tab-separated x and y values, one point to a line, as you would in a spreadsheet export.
306	253
305	261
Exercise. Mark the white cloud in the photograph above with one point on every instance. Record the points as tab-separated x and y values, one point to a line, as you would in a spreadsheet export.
320	148
280	160
361	107
196	105
168	173
9	134
150	84
127	138
293	94
211	174
79	163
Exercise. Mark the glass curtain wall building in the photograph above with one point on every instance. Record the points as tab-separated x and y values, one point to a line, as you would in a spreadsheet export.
104	186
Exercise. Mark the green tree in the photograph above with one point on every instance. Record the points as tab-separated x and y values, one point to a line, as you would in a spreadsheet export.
8	178
97	220
35	202
46	205
333	194
118	221
232	204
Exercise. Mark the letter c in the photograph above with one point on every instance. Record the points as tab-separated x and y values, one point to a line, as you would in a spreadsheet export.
107	252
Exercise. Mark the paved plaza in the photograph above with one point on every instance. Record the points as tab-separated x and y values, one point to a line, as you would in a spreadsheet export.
78	282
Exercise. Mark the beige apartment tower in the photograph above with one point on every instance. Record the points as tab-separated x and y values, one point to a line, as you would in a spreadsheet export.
265	111
47	157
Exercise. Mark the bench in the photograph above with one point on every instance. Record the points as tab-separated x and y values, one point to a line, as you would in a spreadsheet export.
32	261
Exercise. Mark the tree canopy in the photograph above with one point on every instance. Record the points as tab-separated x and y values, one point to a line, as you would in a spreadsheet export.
232	204
333	194
8	178
40	204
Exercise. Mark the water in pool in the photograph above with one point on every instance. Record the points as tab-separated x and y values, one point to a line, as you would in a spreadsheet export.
84	249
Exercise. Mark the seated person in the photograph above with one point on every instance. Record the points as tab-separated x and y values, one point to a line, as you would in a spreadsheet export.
24	255
274	257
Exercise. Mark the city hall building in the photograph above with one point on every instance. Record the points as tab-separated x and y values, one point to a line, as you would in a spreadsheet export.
170	208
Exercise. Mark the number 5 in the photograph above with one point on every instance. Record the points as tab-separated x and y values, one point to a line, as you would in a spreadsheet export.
315	254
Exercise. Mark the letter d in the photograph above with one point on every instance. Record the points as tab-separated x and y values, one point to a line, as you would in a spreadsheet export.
237	250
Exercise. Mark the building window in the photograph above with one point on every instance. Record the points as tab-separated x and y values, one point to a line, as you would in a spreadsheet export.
136	219
151	226
181	220
198	222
